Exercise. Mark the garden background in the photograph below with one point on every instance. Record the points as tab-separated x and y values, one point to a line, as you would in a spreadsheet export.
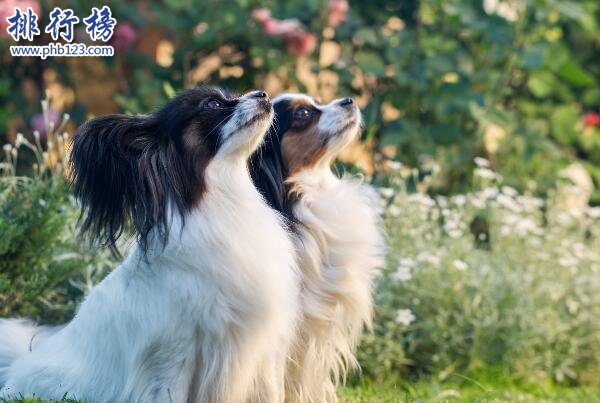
482	134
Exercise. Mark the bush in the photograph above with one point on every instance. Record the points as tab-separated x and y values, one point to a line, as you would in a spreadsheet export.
44	269
488	279
32	220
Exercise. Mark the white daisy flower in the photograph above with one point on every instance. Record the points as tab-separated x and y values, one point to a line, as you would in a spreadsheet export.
405	317
459	265
402	274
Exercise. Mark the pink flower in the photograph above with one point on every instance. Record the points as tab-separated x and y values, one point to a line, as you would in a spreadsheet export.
591	119
298	41
124	37
337	12
282	27
261	14
7	9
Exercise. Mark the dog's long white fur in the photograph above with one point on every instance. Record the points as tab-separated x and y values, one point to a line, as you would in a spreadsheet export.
17	338
341	248
340	252
208	319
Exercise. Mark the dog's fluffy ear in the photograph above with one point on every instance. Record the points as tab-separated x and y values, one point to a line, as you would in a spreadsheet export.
122	170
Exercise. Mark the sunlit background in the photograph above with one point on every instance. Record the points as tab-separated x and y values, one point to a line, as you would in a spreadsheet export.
482	134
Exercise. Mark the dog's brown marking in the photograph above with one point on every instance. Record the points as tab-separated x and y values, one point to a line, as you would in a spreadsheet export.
302	149
302	146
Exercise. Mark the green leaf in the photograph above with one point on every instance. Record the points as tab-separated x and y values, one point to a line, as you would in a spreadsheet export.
168	89
563	121
398	133
574	74
494	115
402	77
571	10
371	114
541	83
591	97
366	35
533	57
370	62
391	136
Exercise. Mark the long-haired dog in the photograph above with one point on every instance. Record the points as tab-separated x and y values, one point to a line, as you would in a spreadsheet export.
204	308
338	232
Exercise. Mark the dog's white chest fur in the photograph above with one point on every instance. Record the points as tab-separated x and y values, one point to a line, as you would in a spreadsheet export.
342	248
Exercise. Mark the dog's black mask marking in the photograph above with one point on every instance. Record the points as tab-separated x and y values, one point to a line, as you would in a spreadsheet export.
136	167
267	167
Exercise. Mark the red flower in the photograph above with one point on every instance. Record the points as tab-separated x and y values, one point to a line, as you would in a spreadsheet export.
591	119
300	43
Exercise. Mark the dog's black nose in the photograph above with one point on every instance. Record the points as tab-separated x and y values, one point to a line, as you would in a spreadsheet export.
259	94
346	101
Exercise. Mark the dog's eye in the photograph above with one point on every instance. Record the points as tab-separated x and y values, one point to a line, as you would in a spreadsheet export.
303	113
214	104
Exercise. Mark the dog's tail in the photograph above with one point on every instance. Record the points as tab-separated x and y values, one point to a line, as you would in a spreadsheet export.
17	338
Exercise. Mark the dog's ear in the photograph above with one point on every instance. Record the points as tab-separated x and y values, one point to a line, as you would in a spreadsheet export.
121	170
269	173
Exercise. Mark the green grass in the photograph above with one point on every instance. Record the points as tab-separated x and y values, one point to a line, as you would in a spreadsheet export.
436	393
459	388
486	388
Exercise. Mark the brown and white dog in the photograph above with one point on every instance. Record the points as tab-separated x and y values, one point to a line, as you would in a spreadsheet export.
338	235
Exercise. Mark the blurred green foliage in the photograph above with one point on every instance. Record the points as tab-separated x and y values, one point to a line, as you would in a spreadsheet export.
510	80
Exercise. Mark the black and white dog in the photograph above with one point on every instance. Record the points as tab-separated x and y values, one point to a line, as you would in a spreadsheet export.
205	306
338	234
